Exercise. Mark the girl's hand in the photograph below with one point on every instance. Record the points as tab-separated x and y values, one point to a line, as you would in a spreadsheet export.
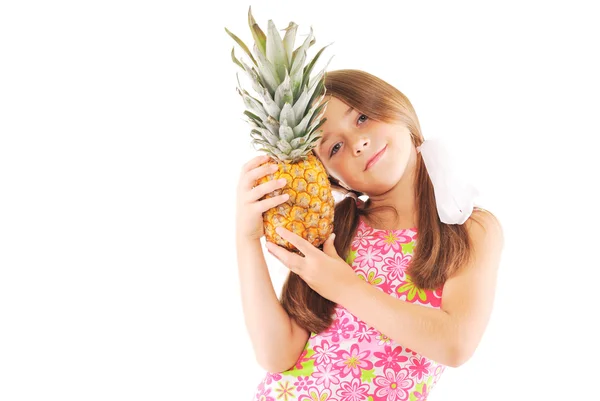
249	220
324	271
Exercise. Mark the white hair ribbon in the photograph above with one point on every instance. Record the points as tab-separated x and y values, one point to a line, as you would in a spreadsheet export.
454	198
351	194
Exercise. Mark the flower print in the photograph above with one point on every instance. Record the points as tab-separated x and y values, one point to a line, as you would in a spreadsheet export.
383	339
408	248
438	372
361	239
391	239
411	290
371	276
435	297
396	266
419	368
353	391
368	257
393	386
303	383
388	287
364	332
339	311
263	395
351	256
340	328
324	352
272	377
390	358
422	394
285	391
301	359
353	361
326	375
314	394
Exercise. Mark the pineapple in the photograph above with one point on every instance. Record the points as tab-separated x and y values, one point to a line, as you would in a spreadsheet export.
285	123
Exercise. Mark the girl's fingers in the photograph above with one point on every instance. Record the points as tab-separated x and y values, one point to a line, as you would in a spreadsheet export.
300	243
266	188
269	203
255	162
290	260
259	172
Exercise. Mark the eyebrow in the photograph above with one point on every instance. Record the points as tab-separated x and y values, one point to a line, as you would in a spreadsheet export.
326	134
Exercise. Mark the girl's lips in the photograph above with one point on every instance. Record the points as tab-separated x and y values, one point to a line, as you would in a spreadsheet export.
375	158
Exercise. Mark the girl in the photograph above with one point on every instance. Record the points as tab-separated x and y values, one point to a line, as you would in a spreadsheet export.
396	295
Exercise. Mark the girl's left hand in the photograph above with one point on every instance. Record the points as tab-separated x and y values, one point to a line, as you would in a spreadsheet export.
324	271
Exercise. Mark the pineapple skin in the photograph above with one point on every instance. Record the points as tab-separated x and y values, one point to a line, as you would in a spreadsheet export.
309	210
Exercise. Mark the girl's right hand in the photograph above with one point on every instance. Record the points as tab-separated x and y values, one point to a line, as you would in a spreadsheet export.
249	220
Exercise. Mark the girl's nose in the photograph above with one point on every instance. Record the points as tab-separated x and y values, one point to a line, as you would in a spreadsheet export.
360	145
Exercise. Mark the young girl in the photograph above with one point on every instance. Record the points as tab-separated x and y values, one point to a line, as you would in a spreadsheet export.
396	295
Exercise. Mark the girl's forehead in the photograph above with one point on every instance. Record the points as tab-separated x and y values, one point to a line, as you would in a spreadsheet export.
336	112
335	105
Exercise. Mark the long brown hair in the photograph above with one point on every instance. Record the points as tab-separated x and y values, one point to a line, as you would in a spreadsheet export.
431	263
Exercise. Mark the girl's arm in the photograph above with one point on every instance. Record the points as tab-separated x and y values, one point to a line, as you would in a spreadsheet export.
276	338
451	334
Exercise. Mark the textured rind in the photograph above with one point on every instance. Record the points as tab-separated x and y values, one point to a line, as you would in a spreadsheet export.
309	210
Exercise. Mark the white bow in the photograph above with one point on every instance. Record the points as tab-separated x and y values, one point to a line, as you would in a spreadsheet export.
454	198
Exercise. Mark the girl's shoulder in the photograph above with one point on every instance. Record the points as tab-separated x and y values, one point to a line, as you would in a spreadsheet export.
486	219
482	212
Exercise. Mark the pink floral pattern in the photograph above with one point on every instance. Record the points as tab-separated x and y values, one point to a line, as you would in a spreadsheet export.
390	358
395	385
351	360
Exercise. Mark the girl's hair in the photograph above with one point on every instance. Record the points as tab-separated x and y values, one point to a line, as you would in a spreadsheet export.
441	248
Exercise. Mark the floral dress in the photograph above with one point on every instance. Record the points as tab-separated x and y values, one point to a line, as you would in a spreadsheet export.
352	361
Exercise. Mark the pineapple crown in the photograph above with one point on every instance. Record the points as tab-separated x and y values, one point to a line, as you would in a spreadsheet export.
287	117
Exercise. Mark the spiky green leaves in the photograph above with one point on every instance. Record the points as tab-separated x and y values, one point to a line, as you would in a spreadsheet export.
242	45
259	36
298	64
288	112
276	52
289	39
284	94
268	72
287	115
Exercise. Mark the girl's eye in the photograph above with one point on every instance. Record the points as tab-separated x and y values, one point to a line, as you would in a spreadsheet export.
335	149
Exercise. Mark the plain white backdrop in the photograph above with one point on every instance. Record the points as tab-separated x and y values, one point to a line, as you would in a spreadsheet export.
121	140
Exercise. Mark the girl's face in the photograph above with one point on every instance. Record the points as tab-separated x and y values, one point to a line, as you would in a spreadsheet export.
366	155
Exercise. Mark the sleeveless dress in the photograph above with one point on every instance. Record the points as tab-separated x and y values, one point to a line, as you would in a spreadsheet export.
352	361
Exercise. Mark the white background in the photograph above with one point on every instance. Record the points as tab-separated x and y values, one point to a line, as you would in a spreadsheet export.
121	139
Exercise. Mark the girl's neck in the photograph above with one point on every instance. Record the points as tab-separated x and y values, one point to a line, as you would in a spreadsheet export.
402	198
386	219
